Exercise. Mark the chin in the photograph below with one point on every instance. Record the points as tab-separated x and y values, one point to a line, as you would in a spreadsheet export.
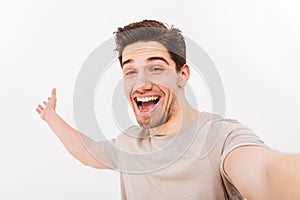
148	122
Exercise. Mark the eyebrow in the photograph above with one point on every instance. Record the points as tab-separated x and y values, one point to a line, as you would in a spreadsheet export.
158	58
148	60
126	62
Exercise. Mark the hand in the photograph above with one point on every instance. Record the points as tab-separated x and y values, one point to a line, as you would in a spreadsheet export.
48	106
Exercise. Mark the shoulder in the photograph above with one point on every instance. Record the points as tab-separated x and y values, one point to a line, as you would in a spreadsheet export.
222	135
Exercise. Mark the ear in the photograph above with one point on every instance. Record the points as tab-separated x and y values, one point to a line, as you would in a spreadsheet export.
183	76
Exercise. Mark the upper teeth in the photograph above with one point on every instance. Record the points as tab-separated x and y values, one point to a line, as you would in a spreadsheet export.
146	99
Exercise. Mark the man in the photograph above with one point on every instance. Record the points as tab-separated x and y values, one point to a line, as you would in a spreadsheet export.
235	164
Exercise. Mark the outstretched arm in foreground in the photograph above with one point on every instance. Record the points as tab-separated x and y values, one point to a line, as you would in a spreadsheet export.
72	139
262	173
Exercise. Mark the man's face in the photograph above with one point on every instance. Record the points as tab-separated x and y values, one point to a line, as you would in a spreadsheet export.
150	81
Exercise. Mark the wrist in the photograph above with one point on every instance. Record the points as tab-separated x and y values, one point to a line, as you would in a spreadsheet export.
50	114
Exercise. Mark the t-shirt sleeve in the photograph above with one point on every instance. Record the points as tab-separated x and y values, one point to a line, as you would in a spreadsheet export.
236	135
105	153
115	153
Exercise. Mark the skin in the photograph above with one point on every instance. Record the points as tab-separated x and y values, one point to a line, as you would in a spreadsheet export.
262	173
148	70
75	142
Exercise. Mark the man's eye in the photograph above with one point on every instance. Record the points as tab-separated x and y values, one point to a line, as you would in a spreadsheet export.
156	69
129	73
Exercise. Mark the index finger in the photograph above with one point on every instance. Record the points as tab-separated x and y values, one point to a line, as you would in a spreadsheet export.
53	93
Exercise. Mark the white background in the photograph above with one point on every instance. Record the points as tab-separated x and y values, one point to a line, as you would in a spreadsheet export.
255	46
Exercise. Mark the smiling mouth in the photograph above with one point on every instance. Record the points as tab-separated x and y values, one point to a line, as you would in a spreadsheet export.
146	104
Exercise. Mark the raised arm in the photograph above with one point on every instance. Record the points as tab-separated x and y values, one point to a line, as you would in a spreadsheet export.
262	173
70	137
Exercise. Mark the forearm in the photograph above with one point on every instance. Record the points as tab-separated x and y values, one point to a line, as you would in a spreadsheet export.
75	142
284	178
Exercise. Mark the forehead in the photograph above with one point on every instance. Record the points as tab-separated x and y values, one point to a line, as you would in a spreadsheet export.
142	50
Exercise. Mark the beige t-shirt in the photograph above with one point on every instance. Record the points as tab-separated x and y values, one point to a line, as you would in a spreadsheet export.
187	165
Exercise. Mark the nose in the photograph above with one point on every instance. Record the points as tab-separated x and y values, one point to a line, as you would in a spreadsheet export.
143	83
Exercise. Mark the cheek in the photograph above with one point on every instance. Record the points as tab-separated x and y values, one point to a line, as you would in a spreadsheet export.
168	83
127	88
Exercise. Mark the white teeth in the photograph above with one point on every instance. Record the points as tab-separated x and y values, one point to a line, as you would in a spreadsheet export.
146	99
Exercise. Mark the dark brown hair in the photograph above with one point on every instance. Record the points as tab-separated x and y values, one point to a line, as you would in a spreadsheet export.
152	30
